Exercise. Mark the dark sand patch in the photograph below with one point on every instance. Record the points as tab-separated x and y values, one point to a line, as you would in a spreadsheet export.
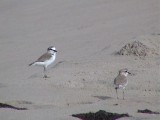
148	111
100	115
3	105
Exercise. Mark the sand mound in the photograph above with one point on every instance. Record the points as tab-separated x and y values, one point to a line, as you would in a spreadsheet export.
137	48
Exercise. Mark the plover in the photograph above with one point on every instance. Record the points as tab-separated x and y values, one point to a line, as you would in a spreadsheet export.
46	59
121	80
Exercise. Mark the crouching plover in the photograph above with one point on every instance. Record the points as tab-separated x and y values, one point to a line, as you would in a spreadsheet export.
121	80
46	59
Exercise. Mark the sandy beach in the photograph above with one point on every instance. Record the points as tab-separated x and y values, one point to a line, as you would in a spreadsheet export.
87	34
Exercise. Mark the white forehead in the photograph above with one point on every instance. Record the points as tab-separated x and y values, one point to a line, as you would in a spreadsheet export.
123	70
124	73
53	48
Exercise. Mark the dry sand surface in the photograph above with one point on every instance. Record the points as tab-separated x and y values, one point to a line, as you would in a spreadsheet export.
86	33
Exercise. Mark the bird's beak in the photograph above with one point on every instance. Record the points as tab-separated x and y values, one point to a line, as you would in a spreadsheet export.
55	50
129	73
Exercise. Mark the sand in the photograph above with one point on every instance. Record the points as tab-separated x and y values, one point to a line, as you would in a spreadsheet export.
86	34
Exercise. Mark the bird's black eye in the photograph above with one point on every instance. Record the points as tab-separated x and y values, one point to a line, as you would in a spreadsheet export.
49	49
52	49
55	50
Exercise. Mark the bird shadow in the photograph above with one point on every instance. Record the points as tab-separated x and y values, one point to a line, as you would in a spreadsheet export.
35	75
57	64
102	97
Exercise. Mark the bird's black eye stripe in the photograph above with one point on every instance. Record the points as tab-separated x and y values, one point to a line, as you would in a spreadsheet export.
53	50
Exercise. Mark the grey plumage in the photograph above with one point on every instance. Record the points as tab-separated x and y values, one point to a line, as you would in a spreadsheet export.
46	59
121	80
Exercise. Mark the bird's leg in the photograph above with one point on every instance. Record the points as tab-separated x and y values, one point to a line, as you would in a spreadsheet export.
44	71
117	93
123	94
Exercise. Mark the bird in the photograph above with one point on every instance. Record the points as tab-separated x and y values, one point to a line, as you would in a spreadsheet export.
121	80
46	59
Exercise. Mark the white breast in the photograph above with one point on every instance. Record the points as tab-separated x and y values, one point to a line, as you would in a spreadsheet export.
50	61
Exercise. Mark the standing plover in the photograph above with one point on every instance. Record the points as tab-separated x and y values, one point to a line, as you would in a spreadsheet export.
121	80
46	59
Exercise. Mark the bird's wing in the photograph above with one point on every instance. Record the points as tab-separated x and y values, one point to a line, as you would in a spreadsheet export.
44	57
120	80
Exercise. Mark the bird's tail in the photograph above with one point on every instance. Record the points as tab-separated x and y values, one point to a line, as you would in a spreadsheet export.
31	63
